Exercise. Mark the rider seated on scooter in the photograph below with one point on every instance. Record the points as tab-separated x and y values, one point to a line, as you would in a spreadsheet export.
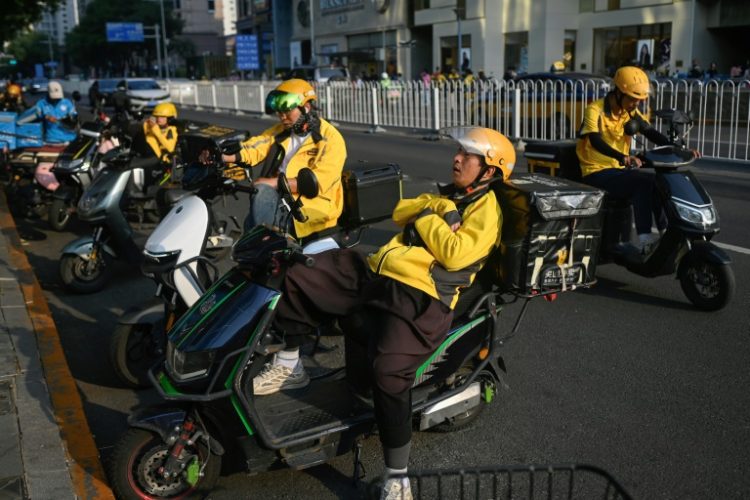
59	115
300	139
154	142
603	151
411	286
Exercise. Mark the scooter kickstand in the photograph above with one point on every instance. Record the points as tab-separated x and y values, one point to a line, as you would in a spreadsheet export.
359	468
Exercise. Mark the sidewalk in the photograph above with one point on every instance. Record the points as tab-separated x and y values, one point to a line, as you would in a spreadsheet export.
46	447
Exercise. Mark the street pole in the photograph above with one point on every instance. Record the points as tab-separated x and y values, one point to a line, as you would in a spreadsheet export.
157	35
458	17
312	34
385	67
164	34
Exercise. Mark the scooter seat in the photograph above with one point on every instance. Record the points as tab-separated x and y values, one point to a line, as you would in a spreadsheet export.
172	196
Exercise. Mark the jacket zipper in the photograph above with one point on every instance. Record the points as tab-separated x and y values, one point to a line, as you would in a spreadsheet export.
382	259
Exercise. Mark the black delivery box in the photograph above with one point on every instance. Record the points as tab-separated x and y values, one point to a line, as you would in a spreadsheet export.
550	235
371	192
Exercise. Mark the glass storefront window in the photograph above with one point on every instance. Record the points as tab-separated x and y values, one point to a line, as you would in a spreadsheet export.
516	52
569	50
647	46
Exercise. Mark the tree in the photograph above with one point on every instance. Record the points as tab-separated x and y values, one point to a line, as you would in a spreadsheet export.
29	48
17	15
87	43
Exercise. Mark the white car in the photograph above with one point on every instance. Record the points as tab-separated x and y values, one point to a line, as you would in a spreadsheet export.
145	93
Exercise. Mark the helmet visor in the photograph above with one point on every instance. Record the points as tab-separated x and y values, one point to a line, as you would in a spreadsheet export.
282	102
470	138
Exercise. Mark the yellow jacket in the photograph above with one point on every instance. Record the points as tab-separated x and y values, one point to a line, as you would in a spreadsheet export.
449	260
598	118
161	141
326	159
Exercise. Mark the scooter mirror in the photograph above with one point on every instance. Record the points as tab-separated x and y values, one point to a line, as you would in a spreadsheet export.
632	127
307	183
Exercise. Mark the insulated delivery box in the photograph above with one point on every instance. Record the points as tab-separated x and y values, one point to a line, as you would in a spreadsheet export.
371	192
550	235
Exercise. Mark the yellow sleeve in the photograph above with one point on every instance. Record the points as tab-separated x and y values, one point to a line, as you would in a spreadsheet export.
167	141
591	119
473	241
409	208
255	149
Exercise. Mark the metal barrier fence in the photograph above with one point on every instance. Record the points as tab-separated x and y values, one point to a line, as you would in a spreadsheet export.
523	109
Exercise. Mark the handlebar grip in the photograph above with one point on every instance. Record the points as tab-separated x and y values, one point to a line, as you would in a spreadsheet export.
301	258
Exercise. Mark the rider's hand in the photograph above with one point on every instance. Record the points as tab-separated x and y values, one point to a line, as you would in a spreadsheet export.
633	162
204	157
696	154
52	119
229	158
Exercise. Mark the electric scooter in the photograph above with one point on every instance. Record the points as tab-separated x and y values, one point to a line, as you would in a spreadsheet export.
685	249
211	415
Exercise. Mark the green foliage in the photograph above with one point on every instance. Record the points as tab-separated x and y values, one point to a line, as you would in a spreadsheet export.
17	15
87	44
30	48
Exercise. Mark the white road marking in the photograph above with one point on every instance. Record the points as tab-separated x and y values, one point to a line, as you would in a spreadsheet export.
734	248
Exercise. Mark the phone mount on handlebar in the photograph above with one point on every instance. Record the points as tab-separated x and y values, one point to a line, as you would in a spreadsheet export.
679	124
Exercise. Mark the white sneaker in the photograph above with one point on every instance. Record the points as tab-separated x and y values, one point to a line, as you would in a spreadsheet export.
274	378
396	489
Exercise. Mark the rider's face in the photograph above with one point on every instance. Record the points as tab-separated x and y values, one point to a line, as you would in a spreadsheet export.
289	118
466	168
629	103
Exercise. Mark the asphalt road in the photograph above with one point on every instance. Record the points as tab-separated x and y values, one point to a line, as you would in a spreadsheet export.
627	376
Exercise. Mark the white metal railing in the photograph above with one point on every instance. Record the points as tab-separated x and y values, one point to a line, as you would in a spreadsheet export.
522	109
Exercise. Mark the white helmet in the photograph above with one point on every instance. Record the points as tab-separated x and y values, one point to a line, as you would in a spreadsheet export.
384	75
54	90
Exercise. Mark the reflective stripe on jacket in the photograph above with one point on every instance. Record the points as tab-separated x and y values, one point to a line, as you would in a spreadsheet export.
449	260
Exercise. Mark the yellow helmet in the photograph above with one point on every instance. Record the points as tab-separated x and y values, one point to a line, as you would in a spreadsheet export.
493	146
13	90
632	81
289	94
165	109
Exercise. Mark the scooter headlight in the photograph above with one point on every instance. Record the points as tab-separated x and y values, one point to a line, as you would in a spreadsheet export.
695	215
90	201
184	365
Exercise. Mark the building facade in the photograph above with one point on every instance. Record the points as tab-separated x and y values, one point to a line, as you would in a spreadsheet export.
593	36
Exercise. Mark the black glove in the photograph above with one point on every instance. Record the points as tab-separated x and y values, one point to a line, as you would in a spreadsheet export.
231	147
411	236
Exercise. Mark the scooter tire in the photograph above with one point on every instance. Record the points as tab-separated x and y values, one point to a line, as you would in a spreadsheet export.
77	278
59	214
139	454
708	285
132	352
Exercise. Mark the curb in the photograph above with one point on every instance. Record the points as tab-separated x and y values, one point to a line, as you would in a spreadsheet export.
86	471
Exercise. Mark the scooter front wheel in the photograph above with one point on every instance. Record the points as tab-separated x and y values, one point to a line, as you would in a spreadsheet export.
85	275
138	457
133	349
708	285
60	213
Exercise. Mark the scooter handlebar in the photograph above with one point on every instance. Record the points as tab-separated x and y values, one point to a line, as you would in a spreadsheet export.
300	258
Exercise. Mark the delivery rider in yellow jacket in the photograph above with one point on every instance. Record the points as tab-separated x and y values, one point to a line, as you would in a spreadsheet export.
154	143
300	139
408	289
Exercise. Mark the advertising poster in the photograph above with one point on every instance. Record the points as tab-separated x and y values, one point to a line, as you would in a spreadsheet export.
645	52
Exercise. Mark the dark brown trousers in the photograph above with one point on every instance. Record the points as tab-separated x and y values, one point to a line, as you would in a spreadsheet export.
397	328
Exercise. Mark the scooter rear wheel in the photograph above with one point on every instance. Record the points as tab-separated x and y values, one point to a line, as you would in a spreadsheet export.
83	276
134	469
709	286
132	351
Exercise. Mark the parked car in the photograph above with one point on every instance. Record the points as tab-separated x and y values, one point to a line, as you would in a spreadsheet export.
552	104
38	85
320	73
107	87
145	93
